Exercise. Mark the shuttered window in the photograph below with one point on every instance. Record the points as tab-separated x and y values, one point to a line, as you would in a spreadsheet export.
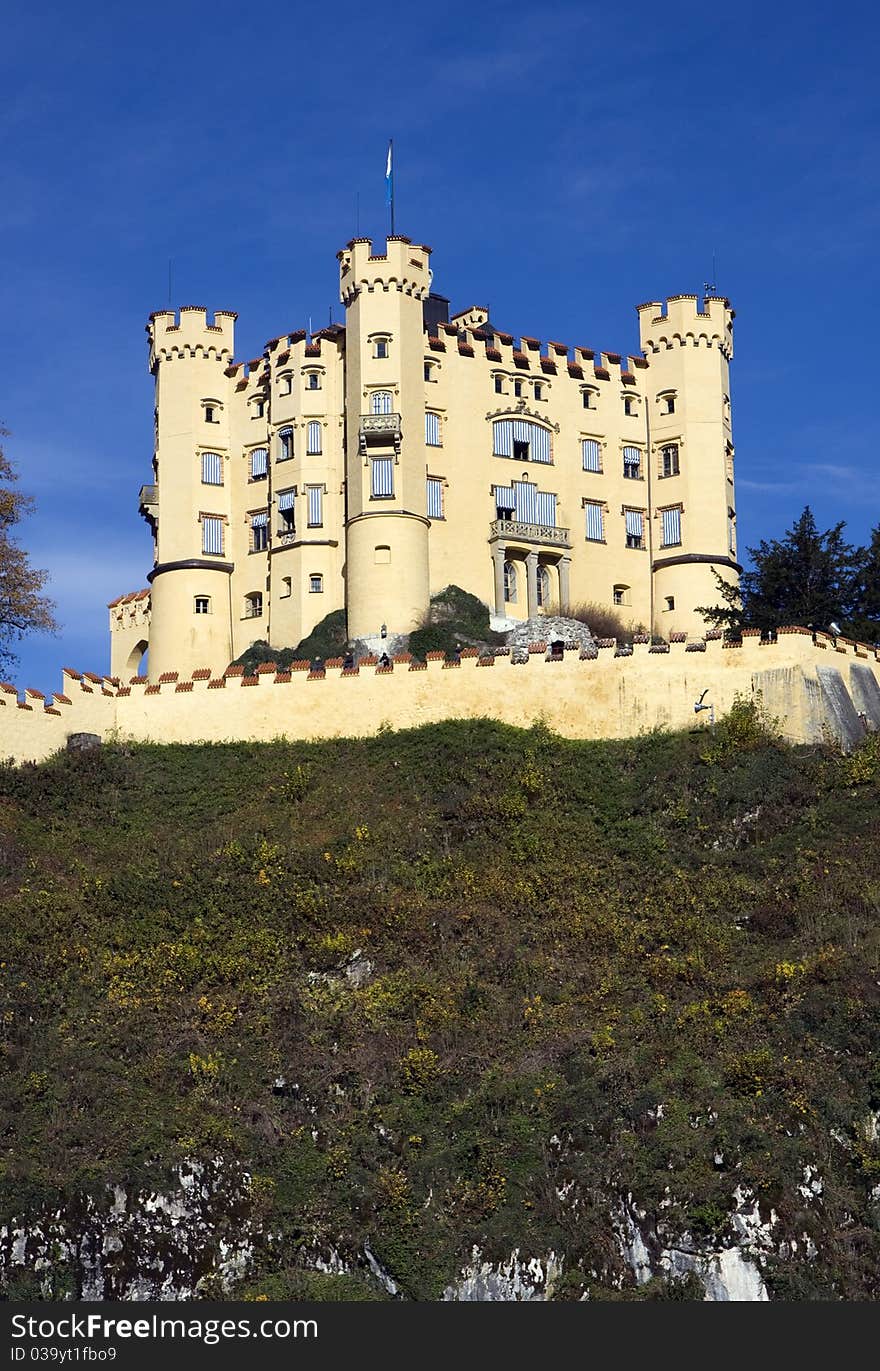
525	497
731	532
382	478
632	462
285	439
316	505
595	523
545	508
212	469
212	535
505	502
287	498
519	439
634	527
435	498
591	454
260	531
671	525
259	463
380	402
313	442
432	430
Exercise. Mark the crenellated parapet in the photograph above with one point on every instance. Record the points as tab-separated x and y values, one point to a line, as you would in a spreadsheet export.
682	323
403	266
187	333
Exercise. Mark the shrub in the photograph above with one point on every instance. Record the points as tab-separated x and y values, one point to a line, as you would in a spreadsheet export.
603	621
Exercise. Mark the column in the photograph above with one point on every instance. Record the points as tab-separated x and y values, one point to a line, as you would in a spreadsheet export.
565	582
498	554
532	581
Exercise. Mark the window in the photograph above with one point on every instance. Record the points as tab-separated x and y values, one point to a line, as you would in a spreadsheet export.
259	409
591	454
285	441
435	498
382	555
629	404
212	469
380	347
316	584
286	587
202	604
259	531
499	385
505	502
253	605
521	440
539	391
381	402
286	518
620	595
315	496
669	460
671	526
667	403
510	583
313	381
545	509
731	531
382	478
632	463
588	399
429	368
259	464
670	602
209	415
635	525
313	440
517	387
543	580
432	430
212	535
595	521
285	382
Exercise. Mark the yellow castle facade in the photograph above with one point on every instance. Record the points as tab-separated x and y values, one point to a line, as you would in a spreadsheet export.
368	466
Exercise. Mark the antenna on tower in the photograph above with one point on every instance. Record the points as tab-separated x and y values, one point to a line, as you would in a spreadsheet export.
709	287
170	262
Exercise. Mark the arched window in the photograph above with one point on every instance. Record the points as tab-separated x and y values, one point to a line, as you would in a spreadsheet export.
521	440
510	583
259	464
285	441
253	605
316	583
212	469
313	441
380	402
543	587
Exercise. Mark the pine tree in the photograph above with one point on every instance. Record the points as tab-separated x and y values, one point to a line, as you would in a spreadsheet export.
23	606
808	578
864	622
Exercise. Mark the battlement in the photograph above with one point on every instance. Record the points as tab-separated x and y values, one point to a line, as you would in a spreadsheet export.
187	333
818	688
403	266
682	323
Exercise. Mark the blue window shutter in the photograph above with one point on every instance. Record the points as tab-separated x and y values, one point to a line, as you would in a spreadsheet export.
313	444
212	535
545	508
435	498
634	522
287	498
382	477
595	528
212	469
671	527
316	514
502	438
591	455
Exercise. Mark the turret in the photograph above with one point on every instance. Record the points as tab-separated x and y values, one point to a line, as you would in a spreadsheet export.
693	529
386	528
188	502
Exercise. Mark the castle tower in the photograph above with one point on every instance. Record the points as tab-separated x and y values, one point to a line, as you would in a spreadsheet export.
188	505
690	458
386	528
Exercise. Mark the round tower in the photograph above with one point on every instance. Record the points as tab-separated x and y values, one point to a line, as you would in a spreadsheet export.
386	529
188	504
691	492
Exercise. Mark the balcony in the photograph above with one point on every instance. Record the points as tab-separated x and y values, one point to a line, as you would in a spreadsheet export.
285	537
148	503
382	429
544	535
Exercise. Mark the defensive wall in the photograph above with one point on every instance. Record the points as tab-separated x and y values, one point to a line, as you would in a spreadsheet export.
818	687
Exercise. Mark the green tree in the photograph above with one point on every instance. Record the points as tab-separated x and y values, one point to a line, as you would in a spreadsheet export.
808	578
864	622
23	606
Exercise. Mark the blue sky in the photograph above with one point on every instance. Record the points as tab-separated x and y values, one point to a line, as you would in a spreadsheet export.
565	161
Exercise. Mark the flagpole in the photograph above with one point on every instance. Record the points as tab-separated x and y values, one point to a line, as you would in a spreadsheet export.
391	165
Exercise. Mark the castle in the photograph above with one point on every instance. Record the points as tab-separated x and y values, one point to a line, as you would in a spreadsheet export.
371	464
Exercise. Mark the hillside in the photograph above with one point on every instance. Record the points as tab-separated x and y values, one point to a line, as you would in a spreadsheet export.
319	1020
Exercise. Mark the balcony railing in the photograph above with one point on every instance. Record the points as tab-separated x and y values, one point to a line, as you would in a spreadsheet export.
379	428
530	533
285	537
